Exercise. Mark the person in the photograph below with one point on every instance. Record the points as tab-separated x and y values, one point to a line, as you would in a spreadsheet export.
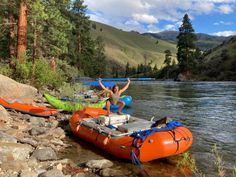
103	94
114	97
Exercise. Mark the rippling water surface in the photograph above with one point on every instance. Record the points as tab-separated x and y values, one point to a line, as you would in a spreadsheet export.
208	109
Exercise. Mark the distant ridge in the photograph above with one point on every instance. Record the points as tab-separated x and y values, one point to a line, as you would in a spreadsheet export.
205	41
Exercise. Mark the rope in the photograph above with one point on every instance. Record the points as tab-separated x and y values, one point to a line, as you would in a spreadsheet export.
140	136
136	161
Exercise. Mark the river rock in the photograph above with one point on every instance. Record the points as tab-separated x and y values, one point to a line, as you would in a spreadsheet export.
51	173
181	77
14	151
10	89
99	164
26	117
15	165
9	173
4	115
38	131
5	138
43	154
53	123
107	172
37	121
79	175
57	133
28	173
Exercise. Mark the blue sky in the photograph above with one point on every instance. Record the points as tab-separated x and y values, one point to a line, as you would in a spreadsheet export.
215	17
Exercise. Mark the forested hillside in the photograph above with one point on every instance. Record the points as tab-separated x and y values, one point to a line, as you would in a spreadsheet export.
38	34
220	62
122	46
50	42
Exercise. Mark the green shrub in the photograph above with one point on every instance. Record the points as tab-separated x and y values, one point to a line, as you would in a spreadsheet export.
69	90
70	72
22	72
43	75
40	74
5	70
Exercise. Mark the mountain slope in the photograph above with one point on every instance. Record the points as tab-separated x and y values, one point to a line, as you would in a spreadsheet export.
205	41
220	62
132	47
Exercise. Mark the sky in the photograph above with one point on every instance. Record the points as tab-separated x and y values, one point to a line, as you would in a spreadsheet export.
214	17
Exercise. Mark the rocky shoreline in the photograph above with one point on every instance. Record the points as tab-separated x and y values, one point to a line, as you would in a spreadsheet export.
30	146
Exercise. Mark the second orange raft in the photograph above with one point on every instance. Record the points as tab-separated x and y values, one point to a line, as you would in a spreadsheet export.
125	136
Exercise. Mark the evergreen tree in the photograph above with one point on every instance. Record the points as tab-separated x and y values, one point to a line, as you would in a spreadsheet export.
127	70
99	63
173	63
4	28
186	45
155	69
167	60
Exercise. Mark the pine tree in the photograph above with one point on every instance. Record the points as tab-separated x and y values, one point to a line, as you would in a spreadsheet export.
127	70
22	32
186	45
167	60
99	63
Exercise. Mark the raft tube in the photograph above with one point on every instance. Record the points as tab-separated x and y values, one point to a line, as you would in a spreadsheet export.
121	143
71	106
28	108
126	99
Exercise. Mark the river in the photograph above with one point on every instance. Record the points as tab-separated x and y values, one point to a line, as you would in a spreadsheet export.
208	109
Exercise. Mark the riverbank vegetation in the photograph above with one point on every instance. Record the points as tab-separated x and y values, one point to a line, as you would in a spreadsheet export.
57	32
48	42
193	63
187	161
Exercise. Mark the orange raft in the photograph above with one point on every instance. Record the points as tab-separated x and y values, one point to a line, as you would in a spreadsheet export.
89	124
28	108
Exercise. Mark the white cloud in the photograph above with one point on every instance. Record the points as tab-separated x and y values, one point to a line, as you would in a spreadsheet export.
146	12
170	27
225	9
222	23
153	29
224	33
145	18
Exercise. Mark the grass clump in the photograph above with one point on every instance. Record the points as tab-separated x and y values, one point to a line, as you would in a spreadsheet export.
218	162
5	70
185	160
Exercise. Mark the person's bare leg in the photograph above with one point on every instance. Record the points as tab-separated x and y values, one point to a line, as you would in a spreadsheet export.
122	105
108	106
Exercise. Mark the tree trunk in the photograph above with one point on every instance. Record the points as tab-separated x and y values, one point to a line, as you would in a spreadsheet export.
79	44
22	32
12	46
35	42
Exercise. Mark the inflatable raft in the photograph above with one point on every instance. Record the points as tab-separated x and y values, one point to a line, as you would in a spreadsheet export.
126	99
73	105
28	108
130	137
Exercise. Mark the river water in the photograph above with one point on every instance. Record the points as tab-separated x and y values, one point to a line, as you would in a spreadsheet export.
208	109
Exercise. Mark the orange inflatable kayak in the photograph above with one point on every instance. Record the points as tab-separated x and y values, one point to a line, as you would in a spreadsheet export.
28	108
127	137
